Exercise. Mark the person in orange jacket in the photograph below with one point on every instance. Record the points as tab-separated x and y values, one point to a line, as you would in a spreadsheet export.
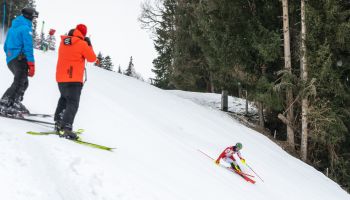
74	49
227	156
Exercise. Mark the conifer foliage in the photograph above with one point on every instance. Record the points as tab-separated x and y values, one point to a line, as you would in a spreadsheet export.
130	70
12	9
105	62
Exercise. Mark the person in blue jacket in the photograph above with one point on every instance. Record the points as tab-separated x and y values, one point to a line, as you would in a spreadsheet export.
20	60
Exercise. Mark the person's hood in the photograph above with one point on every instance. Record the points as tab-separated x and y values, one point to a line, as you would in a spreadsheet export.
21	21
77	33
77	36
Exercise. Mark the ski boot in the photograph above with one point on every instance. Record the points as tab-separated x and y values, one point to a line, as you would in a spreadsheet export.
58	126
67	133
2	109
4	106
235	167
20	107
9	110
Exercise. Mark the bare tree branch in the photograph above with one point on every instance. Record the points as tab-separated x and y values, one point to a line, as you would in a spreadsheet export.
151	15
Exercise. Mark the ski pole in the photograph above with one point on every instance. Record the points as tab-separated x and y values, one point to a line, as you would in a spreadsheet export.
254	172
85	70
205	154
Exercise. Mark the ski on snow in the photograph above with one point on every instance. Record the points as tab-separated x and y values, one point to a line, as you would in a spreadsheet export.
245	176
22	118
78	132
37	115
79	141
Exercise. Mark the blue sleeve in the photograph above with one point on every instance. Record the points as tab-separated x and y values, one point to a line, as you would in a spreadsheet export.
28	51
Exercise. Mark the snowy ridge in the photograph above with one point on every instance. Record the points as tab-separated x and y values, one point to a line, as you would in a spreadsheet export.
235	105
157	134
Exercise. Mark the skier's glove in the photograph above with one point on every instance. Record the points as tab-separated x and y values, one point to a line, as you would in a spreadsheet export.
243	161
97	62
217	162
87	39
31	69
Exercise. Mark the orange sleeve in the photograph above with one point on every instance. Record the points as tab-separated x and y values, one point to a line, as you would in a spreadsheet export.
89	53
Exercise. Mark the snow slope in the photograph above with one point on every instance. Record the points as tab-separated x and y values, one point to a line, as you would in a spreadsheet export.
157	135
235	105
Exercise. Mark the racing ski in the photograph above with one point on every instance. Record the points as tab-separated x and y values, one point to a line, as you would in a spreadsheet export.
245	176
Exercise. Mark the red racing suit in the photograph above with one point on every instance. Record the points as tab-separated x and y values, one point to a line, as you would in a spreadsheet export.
228	153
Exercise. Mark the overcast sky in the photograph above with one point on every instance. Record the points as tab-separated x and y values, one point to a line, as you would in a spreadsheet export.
112	25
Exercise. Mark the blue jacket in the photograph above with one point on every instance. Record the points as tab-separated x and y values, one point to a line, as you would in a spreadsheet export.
19	39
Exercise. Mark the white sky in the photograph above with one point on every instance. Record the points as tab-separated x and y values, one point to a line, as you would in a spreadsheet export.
112	25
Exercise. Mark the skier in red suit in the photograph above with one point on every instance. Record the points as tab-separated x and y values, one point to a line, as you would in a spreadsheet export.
227	156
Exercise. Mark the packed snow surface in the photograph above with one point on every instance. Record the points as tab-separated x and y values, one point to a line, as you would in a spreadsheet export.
235	105
157	135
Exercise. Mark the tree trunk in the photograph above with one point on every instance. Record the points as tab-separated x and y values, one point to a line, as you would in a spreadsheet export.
224	100
285	121
304	77
261	114
246	103
288	67
212	88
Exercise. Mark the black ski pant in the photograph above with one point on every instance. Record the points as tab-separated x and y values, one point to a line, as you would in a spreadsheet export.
19	69
68	103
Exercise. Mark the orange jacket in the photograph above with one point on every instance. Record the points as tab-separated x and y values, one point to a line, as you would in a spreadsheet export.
72	53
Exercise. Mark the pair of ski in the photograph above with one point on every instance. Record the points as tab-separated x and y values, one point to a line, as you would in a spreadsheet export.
245	176
79	141
24	117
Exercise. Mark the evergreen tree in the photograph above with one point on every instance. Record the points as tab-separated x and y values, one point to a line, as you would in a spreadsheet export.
51	42
130	71
241	42
31	3
328	43
163	28
37	42
13	9
107	64
190	68
119	70
101	60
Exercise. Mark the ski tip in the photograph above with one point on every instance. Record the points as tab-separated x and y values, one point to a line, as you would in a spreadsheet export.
109	148
94	145
31	132
80	130
37	133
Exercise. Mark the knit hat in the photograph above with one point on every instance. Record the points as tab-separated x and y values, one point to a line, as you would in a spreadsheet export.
30	13
82	28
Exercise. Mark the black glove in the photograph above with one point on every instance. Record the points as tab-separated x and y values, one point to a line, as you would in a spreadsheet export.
87	39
